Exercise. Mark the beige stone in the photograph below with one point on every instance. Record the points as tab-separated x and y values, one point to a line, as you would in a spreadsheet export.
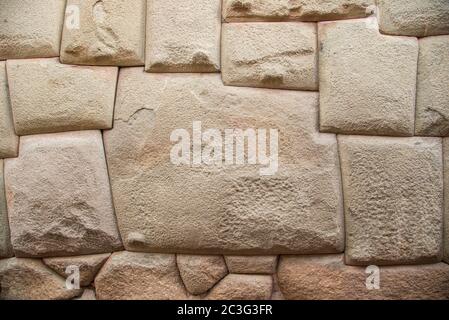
199	272
221	208
58	195
327	278
432	102
5	242
367	80
269	54
446	198
30	28
30	279
301	10
88	294
111	32
47	96
414	17
143	276
8	138
183	37
393	194
251	264
88	266
242	287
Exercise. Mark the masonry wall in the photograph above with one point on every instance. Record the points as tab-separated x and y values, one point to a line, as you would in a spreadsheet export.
94	96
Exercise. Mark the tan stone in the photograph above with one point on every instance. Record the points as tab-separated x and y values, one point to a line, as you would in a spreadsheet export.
272	55
221	208
446	198
242	287
30	28
111	32
327	278
143	276
414	17
8	139
183	37
30	279
58	195
88	294
301	10
432	102
88	266
5	242
251	264
393	199
367	80
200	273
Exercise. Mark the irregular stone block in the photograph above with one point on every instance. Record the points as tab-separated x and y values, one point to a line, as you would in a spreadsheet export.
393	199
183	37
251	264
327	278
226	207
272	55
5	242
68	97
30	28
367	80
88	266
200	273
8	138
414	17
301	10
432	112
242	287
143	276
88	294
110	32
446	198
30	279
58	196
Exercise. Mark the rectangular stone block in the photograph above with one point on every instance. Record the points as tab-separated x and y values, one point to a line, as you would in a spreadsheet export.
252	264
5	242
110	32
273	55
8	138
47	96
393	195
183	36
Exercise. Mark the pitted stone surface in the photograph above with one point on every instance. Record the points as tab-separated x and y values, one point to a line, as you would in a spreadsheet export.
393	199
8	139
270	54
367	80
5	242
47	96
251	264
446	199
111	32
58	195
242	287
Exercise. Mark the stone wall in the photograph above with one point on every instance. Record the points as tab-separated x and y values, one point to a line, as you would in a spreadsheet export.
92	92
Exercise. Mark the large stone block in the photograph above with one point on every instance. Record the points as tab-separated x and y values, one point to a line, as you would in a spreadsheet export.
432	102
367	80
393	194
242	287
30	28
414	17
9	141
183	36
272	55
110	32
47	96
5	242
446	198
222	207
58	195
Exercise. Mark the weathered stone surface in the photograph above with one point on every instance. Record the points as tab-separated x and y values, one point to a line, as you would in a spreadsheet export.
393	199
47	96
432	102
301	10
272	55
242	287
5	242
367	80
30	28
131	275
414	17
58	196
183	37
111	32
222	208
200	273
446	198
251	264
326	277
8	139
30	279
88	294
88	266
